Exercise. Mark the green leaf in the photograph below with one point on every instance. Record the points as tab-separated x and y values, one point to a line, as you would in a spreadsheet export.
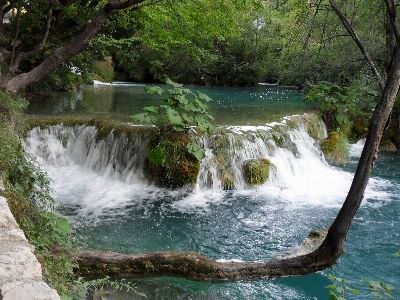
397	254
156	155
145	118
340	290
390	288
174	84
179	127
154	109
332	296
174	117
331	286
19	187
354	291
187	118
63	226
195	149
153	90
175	91
182	99
203	97
378	295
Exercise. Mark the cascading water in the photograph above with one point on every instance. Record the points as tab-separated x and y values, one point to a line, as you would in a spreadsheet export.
100	181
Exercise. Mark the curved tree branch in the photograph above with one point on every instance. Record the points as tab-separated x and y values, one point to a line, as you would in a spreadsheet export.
14	65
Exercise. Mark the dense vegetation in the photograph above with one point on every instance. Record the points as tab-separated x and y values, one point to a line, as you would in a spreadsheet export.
202	42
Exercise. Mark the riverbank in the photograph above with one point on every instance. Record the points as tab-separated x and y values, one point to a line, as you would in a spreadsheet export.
20	271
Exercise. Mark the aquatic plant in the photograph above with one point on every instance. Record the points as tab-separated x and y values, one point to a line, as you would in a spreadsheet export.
174	152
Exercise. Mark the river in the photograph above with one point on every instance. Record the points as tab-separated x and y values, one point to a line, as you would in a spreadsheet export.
126	214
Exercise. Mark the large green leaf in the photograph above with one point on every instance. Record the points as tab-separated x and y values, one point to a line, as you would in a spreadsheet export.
173	117
154	90
195	149
203	97
156	155
154	109
174	84
187	118
144	118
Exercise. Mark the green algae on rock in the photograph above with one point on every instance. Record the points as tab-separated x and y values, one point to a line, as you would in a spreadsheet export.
256	171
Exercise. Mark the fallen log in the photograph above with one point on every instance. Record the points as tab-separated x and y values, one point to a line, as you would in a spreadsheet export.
191	265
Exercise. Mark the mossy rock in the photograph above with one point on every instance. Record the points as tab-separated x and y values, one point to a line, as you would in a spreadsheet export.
388	146
227	181
180	167
329	144
256	171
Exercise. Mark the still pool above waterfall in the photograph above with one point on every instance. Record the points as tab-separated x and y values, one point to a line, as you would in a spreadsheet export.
231	105
113	208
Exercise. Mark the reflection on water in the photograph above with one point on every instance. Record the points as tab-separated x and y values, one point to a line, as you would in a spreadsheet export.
256	105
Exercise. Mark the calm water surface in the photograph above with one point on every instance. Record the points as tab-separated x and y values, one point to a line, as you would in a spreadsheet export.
231	105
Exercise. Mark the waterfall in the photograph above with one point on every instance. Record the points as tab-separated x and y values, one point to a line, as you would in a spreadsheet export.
122	157
117	157
98	170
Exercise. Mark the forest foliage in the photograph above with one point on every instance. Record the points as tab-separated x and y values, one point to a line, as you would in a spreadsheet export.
202	42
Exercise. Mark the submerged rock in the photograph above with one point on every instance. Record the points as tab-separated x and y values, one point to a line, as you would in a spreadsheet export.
388	146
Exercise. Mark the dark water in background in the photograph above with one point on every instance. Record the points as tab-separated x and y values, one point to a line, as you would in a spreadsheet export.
243	225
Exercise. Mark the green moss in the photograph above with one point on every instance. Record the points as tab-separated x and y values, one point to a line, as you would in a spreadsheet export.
104	127
227	180
315	234
336	147
256	171
180	167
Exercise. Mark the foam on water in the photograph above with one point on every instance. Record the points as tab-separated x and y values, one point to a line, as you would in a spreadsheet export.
89	179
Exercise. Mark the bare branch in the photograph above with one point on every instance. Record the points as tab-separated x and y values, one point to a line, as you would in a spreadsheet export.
358	42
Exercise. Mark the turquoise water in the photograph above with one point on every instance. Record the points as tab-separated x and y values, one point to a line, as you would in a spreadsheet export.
231	105
252	228
243	225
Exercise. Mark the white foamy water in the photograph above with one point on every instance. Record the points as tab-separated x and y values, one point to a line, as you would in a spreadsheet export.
96	178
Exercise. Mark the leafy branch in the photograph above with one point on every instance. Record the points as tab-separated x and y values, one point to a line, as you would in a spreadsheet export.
182	108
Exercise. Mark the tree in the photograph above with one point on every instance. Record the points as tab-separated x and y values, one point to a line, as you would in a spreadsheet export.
61	54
